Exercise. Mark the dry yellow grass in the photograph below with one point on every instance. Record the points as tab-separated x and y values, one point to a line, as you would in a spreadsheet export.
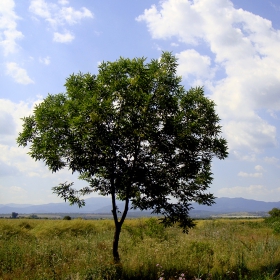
79	249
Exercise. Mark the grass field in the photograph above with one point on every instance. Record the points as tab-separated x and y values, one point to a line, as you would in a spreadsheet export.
80	249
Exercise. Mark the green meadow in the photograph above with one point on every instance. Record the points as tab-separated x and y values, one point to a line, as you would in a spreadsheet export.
82	249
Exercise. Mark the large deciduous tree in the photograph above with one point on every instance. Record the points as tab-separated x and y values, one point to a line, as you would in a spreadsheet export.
133	133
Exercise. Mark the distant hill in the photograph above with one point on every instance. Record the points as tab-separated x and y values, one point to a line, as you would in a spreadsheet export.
100	205
229	205
92	206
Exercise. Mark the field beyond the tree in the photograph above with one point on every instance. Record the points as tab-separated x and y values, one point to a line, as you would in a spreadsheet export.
82	249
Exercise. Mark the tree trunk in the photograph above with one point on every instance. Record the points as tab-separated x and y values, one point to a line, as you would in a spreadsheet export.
118	227
116	243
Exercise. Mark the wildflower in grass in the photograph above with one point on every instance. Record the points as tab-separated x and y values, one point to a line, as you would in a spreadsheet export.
160	272
182	277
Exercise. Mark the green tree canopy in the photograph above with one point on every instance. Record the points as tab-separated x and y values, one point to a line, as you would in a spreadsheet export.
274	213
134	133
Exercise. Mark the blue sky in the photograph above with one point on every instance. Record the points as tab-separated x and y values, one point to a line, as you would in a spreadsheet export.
229	47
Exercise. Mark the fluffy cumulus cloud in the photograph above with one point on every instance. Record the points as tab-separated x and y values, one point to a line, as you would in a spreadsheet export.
240	66
59	15
9	34
192	63
18	74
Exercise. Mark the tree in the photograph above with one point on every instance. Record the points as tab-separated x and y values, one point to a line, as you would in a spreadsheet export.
133	133
274	213
14	215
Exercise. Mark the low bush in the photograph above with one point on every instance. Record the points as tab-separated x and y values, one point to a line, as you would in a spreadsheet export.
67	218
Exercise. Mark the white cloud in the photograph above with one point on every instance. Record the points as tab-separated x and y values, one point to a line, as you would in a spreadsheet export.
18	74
244	174
259	168
45	60
175	18
273	114
11	114
244	157
67	37
258	174
243	190
244	129
8	27
243	46
71	16
7	124
12	156
63	2
14	161
18	194
192	63
15	189
7	170
58	16
271	160
41	8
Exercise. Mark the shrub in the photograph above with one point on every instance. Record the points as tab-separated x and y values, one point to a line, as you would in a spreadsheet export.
67	218
274	220
274	213
276	227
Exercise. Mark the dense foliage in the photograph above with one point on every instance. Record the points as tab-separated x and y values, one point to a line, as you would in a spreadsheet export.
274	220
274	213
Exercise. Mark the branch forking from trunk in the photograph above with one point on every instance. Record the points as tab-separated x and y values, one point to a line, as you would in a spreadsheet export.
118	225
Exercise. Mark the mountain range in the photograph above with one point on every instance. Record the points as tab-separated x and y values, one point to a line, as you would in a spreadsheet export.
101	205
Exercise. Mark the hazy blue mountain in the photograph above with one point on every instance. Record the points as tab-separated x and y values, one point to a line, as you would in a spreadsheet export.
229	205
103	205
17	205
92	204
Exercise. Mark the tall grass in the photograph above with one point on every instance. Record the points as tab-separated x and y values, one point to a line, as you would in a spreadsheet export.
79	249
